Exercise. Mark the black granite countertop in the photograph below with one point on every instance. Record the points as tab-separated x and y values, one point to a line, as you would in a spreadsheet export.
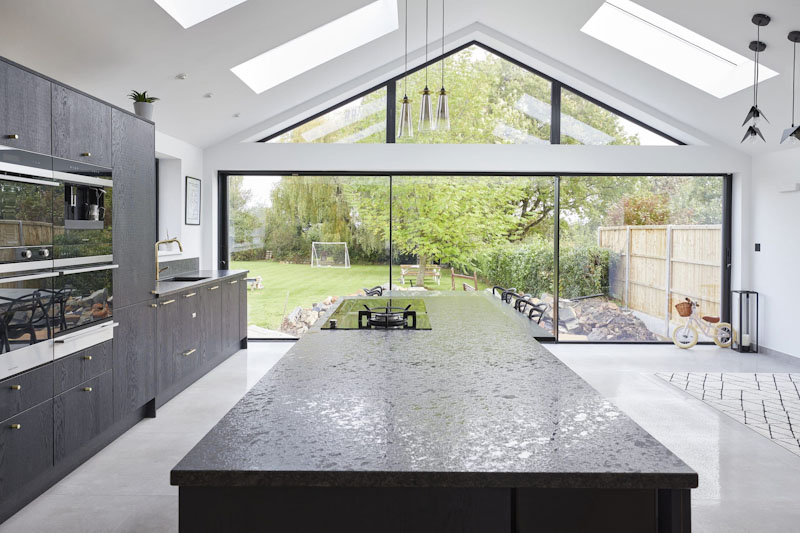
166	286
473	402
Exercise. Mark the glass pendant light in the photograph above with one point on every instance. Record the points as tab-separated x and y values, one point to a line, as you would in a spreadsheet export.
404	129
426	107
755	113
793	133
442	107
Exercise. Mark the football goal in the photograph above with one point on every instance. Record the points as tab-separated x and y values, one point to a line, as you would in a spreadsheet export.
330	254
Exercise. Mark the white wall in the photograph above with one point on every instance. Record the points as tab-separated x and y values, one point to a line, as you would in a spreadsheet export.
776	225
178	159
443	158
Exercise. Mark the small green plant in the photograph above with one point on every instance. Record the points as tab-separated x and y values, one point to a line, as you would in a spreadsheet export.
142	97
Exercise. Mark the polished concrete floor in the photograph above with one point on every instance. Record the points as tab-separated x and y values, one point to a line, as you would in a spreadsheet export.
747	483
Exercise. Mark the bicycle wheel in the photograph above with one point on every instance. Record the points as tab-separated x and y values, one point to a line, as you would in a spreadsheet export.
723	335
685	336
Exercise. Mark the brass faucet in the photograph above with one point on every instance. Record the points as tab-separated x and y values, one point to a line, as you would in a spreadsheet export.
168	241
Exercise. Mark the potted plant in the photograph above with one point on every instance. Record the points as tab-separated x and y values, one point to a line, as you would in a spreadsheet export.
143	104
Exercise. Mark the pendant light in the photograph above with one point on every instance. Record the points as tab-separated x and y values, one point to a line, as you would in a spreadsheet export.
442	107
793	133
426	108
755	113
405	130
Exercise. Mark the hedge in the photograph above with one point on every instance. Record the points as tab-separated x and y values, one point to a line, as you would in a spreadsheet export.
529	268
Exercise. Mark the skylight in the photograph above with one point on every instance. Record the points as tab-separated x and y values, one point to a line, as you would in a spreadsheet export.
191	12
673	49
318	46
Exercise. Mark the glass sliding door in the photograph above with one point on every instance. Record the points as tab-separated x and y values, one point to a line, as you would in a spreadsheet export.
496	229
306	244
633	247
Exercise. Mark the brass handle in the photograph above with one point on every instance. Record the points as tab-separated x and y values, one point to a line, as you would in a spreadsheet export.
16	426
190	295
12	136
233	282
87	357
190	352
16	387
86	154
168	302
87	389
215	287
153	305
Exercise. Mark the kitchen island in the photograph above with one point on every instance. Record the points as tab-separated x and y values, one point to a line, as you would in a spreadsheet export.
469	426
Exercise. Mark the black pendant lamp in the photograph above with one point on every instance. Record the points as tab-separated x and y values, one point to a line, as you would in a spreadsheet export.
793	133
755	113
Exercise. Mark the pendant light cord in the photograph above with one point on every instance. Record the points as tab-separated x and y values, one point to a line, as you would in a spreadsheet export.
405	71
426	43
794	78
442	44
755	75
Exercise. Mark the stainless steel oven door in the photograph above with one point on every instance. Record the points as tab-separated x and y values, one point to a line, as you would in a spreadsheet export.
26	221
26	321
83	297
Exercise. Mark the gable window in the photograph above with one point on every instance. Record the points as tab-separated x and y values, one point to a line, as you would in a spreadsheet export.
494	99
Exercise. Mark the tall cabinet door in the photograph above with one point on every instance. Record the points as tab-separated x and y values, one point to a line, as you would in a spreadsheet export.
134	357
24	109
81	127
134	209
210	314
230	316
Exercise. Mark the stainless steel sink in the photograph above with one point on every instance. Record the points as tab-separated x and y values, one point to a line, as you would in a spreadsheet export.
187	278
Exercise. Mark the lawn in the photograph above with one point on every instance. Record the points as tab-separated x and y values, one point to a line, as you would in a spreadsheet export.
287	286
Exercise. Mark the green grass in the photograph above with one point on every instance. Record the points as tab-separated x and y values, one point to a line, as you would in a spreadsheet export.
287	286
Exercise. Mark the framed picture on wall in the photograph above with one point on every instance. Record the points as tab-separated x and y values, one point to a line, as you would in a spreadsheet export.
192	201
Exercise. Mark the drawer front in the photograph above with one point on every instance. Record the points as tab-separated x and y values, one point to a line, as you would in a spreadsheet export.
82	413
82	366
26	390
26	447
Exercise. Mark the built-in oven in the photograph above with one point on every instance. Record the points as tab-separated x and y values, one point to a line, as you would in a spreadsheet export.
27	319
82	214
83	297
27	191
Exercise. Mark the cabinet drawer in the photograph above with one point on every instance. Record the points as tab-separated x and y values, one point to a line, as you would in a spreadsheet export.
82	413
82	366
26	390
26	447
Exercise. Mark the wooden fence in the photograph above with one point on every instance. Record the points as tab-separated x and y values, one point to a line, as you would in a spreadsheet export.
655	267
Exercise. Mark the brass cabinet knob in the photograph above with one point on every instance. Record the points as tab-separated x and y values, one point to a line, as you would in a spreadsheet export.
16	387
215	287
16	426
153	305
87	357
86	154
87	389
12	136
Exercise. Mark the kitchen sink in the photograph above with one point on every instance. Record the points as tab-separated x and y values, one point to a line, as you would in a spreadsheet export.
187	278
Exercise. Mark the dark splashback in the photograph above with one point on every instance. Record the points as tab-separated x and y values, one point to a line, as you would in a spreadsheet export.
179	266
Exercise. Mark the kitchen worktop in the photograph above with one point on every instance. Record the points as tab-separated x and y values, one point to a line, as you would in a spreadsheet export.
473	402
165	287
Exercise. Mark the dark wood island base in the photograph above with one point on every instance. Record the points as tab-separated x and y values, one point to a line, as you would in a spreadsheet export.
433	510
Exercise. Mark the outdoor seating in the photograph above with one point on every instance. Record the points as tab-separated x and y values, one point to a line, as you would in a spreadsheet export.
22	316
431	272
374	291
465	286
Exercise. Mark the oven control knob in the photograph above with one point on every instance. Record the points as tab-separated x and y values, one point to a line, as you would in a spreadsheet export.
26	254
44	252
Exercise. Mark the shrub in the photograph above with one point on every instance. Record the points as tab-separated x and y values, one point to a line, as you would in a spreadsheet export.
529	268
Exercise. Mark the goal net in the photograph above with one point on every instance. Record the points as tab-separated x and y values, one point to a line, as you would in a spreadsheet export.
330	254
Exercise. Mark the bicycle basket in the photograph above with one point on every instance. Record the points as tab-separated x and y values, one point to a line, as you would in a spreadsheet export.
684	309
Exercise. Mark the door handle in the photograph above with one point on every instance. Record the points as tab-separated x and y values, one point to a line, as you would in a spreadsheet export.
167	302
215	287
234	282
190	352
190	295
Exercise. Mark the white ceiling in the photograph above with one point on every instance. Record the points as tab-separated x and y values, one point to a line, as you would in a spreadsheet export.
108	47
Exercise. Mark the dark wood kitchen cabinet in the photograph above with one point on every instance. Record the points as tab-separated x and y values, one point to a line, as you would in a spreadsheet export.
81	127
169	341
134	209
210	326
81	414
189	353
25	109
26	448
231	296
134	357
82	366
25	390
